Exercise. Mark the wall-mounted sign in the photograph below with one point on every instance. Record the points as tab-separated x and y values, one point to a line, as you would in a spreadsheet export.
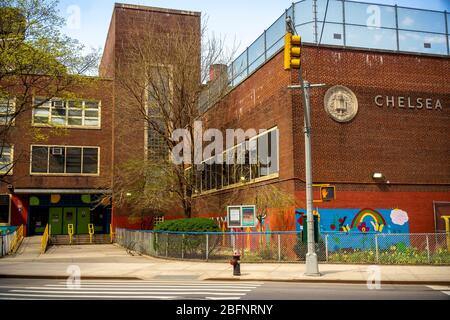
241	216
341	104
402	102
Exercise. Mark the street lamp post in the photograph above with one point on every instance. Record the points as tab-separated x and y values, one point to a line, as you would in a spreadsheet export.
312	266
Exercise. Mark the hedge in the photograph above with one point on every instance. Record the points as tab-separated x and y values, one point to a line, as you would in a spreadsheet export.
189	225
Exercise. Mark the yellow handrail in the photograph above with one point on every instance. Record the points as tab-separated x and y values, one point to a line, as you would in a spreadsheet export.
70	231
111	233
447	230
91	231
17	240
45	237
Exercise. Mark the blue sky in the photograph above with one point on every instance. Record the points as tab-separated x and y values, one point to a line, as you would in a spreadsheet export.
243	20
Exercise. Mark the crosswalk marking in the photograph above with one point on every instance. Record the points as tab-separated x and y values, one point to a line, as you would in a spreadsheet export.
443	289
132	290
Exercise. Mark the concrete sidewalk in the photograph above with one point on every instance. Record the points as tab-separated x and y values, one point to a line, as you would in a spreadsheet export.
113	262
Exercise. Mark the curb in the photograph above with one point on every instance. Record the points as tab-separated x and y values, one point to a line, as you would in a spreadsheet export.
15	276
409	282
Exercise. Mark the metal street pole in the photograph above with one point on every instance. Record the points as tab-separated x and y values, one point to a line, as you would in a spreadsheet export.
312	267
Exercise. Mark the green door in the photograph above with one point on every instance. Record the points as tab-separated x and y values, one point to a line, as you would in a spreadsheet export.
83	219
55	220
70	217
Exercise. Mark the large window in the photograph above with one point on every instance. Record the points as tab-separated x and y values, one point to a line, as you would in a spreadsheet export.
6	159
7	110
4	209
158	103
62	160
67	113
249	161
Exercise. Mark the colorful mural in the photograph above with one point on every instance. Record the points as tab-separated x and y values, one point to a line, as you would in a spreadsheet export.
354	228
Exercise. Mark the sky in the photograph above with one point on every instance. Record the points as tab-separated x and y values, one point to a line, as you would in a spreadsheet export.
239	22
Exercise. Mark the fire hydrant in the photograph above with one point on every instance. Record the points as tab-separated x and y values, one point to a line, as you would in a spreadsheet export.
236	263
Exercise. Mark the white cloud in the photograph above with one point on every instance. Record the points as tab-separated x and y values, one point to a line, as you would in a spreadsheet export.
435	39
408	21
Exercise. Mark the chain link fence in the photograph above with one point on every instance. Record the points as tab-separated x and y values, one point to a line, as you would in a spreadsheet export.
433	248
5	243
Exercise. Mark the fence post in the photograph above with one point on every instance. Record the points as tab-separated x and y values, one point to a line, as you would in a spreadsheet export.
207	247
326	247
167	245
182	246
157	245
428	250
376	247
233	241
279	247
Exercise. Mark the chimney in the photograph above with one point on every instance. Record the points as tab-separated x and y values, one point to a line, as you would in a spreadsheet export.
217	71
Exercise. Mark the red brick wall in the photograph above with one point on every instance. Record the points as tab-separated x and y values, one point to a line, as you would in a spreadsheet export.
409	146
406	145
23	135
132	24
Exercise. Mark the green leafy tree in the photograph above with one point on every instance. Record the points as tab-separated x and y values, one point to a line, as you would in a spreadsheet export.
35	58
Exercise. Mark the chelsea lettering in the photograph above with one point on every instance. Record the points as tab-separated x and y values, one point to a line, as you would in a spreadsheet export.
408	102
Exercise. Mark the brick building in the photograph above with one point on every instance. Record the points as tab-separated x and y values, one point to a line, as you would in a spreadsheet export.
61	169
389	160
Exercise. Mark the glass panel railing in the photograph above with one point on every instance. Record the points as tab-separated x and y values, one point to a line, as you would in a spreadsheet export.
371	15
275	47
240	64
423	42
255	64
333	33
303	12
448	23
334	11
306	31
372	38
256	50
370	26
421	20
276	31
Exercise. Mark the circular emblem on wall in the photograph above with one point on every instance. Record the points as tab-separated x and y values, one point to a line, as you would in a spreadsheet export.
341	103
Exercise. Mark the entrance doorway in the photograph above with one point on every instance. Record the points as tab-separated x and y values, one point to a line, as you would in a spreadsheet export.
59	212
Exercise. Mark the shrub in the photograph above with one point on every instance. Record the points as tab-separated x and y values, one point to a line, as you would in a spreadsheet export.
189	225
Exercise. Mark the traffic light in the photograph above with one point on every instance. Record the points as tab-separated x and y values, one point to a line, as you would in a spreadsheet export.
327	193
292	51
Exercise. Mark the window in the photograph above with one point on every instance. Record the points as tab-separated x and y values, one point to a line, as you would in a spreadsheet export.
157	220
248	161
7	110
4	209
64	160
67	113
158	99
6	159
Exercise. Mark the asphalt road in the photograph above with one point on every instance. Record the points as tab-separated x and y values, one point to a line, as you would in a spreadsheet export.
12	289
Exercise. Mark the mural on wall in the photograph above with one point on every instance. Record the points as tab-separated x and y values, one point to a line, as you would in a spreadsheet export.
359	225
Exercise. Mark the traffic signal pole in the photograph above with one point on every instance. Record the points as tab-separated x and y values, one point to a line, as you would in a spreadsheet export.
312	266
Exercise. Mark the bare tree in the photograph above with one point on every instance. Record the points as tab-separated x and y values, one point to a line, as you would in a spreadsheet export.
268	199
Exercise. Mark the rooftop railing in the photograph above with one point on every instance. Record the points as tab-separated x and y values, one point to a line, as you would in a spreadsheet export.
350	24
